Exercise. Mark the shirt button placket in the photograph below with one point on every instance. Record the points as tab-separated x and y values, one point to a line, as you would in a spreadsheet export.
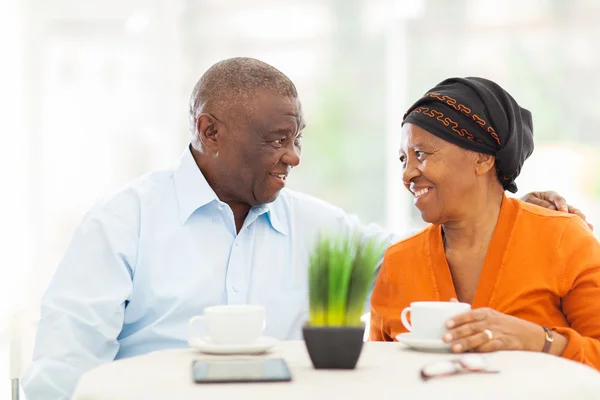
235	274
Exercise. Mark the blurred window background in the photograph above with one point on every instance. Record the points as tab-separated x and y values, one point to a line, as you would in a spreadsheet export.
95	93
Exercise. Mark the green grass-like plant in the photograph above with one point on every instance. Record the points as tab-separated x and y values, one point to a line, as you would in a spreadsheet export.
341	272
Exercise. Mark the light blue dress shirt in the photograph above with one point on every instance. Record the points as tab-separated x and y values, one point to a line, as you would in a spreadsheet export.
144	262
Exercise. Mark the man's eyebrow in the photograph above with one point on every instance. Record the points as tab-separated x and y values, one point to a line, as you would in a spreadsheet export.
286	131
280	131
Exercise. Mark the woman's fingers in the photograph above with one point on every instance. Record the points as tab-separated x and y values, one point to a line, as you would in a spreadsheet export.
471	342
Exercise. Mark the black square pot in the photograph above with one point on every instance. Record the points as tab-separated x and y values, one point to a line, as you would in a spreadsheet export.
334	347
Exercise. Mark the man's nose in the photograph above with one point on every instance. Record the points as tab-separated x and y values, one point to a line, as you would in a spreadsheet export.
292	157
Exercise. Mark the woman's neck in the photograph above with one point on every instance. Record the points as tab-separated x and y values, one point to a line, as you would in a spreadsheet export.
474	230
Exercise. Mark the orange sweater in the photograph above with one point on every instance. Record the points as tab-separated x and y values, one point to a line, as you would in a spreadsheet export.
541	266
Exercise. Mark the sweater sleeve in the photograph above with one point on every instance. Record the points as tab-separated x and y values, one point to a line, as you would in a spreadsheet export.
580	256
380	299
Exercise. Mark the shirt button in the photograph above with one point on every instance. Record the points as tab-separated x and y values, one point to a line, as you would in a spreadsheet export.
236	288
215	220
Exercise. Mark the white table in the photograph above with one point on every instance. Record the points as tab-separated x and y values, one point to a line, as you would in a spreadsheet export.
384	371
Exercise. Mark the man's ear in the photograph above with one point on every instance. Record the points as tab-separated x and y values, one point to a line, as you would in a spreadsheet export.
484	163
208	134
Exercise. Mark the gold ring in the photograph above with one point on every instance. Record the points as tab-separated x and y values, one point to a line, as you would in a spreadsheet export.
489	334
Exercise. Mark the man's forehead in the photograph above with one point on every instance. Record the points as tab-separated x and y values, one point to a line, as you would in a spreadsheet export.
269	106
270	99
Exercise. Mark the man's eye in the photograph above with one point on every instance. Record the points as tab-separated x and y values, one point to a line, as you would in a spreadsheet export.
402	158
420	155
279	142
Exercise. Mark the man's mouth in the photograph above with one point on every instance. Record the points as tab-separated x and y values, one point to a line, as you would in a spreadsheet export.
283	177
280	178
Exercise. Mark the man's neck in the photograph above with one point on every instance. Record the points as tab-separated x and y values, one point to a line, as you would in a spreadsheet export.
240	210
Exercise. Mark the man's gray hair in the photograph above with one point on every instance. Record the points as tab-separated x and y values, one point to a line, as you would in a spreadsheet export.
233	82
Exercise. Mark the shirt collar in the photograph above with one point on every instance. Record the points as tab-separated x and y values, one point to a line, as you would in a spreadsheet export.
273	217
193	191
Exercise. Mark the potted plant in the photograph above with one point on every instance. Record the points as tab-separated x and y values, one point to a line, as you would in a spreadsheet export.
341	272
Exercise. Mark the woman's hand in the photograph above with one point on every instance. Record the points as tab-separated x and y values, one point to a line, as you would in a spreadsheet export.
484	330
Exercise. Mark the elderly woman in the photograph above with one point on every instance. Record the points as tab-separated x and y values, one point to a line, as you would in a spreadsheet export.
532	275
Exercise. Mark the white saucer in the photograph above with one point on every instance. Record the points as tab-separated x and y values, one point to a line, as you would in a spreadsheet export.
430	345
206	345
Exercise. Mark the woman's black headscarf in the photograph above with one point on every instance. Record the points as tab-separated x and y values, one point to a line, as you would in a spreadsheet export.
477	114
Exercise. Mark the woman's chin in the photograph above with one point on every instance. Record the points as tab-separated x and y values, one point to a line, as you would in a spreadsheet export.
430	217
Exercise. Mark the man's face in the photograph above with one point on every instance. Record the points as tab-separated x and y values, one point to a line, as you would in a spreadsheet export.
259	149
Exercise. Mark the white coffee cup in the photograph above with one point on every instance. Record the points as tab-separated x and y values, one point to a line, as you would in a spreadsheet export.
428	318
230	324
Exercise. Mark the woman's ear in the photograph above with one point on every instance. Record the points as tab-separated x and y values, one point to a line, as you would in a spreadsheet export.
484	163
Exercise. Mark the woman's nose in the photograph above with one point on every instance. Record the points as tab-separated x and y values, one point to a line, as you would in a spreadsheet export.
410	172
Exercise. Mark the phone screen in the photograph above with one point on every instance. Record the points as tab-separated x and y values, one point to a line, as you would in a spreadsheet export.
227	371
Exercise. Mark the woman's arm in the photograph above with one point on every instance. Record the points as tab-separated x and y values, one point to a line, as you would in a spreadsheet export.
580	252
485	329
380	300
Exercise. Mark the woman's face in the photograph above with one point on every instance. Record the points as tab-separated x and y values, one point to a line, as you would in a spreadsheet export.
440	175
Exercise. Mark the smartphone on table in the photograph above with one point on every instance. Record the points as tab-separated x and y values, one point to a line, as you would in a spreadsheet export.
241	370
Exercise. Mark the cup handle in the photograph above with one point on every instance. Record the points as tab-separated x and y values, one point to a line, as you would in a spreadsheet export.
404	320
193	324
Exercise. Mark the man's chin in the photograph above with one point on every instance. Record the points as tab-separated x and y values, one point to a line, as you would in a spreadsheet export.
268	197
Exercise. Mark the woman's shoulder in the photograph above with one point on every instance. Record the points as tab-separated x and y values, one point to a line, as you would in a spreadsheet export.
413	242
546	217
551	228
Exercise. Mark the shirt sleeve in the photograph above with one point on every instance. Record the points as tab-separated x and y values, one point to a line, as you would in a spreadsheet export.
580	252
83	307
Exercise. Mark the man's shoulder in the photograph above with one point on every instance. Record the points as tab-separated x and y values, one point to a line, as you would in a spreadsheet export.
129	199
302	203
314	213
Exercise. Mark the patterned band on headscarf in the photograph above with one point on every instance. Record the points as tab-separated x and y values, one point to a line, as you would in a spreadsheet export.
478	115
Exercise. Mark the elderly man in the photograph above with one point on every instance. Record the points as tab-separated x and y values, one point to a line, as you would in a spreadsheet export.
217	229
